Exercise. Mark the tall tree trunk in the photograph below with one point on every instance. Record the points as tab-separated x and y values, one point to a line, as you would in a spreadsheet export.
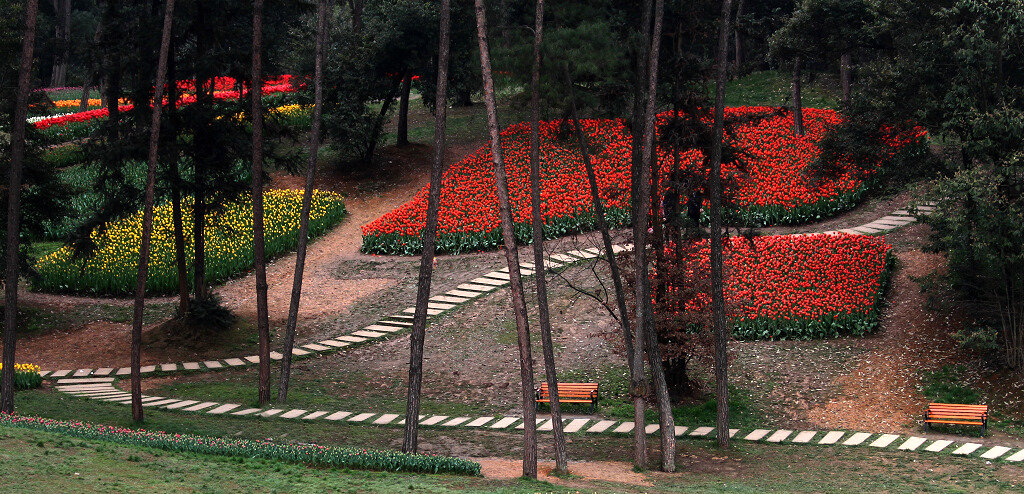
419	320
378	124
403	111
259	257
176	214
602	226
638	374
798	107
14	205
845	61
644	304
718	322
307	199
356	7
511	254
62	36
738	40
543	311
83	102
147	213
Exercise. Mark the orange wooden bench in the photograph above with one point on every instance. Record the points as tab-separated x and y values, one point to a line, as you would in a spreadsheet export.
949	413
570	393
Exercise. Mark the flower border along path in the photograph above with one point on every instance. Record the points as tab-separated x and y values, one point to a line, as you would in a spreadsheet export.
439	304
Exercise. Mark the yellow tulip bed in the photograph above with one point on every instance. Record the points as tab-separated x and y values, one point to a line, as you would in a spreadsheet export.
111	266
26	376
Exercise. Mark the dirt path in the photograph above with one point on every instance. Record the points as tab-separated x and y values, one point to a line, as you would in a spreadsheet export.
609	471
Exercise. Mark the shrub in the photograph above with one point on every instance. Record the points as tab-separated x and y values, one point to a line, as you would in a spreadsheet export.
309	454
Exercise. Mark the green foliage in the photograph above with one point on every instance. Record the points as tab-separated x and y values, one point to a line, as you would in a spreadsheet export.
310	454
208	315
946	385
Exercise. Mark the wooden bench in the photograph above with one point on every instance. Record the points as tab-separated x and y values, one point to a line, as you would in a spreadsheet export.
949	413
570	393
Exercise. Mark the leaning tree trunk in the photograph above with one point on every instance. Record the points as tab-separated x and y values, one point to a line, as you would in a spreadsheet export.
419	321
403	112
378	124
307	200
176	214
259	257
543	311
798	107
721	331
14	205
602	226
147	213
844	75
511	254
645	324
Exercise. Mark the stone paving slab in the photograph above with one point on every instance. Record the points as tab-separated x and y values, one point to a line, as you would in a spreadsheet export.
298	352
160	403
223	408
995	452
247	411
832	437
316	347
563	258
386	418
488	281
388	322
147	369
234	362
253	359
272	412
60	373
367	334
479	422
430	312
196	408
181	404
448	299
939	445
462	293
804	437
293	414
523	424
336	344
456	422
547	425
966	449
315	415
702	431
885	440
351	339
213	364
757	435
168	367
89	380
379	328
582	254
681	430
44	373
575	425
276	355
337	415
361	417
779	436
865	230
624	427
601	426
1018	456
440	306
190	366
898	219
504	423
857	439
82	372
476	287
651	428
912	444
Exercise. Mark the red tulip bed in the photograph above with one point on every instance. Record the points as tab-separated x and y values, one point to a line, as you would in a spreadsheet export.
776	187
308	454
69	126
792	287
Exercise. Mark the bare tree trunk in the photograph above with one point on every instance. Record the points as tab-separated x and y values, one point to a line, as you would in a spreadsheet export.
147	213
83	102
738	40
419	321
357	15
14	206
403	112
721	331
645	322
798	107
176	214
543	311
511	254
307	200
204	96
62	35
602	226
378	124
259	257
844	75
